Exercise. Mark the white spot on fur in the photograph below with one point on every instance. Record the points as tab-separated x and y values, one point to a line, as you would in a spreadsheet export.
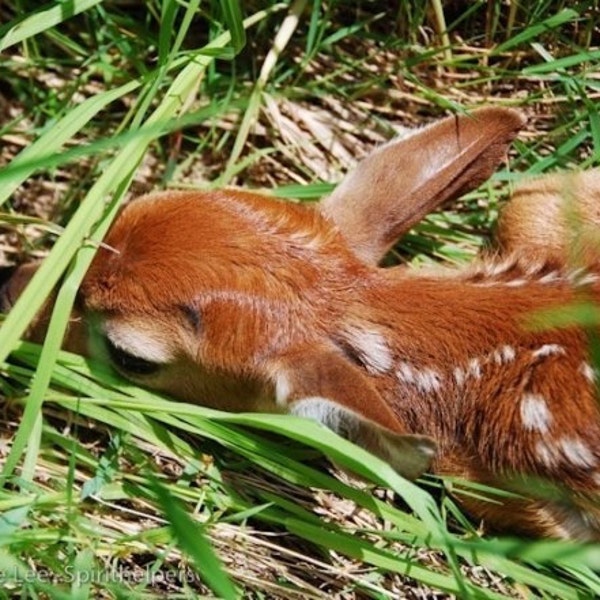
578	452
573	450
405	373
459	376
535	414
516	282
548	454
426	380
283	389
580	277
504	355
588	372
475	368
498	268
493	272
508	353
575	275
597	479
588	279
372	349
549	350
532	269
551	277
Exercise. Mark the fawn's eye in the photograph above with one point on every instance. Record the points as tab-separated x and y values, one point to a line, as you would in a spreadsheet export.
128	362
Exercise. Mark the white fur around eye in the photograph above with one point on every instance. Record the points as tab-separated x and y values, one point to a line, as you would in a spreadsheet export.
146	345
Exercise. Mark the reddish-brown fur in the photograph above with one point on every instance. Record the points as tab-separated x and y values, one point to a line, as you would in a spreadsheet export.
555	217
243	302
261	296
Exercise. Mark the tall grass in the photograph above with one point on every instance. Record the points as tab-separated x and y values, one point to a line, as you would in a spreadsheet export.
111	491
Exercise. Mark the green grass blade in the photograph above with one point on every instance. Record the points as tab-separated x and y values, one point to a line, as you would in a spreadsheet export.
15	170
191	539
234	20
44	19
366	552
53	139
167	22
555	65
288	26
534	31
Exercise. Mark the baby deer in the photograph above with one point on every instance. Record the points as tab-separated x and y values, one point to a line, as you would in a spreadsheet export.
243	302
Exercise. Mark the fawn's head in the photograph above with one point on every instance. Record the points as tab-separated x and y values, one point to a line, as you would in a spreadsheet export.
202	286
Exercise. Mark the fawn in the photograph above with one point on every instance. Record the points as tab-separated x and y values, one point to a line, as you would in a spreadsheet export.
243	302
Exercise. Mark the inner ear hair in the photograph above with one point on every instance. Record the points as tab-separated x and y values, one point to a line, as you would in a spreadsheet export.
399	183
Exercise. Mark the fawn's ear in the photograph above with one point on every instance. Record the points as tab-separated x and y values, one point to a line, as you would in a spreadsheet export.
323	385
399	183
